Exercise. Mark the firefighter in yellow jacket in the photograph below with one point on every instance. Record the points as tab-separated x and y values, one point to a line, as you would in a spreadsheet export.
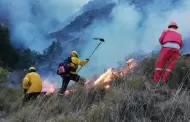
32	84
71	64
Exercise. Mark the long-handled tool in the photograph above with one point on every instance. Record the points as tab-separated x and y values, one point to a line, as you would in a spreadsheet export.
101	40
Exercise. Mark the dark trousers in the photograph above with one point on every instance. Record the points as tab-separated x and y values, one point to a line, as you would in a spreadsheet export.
31	96
66	79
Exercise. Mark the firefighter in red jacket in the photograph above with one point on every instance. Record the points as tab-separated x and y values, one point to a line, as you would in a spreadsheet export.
171	42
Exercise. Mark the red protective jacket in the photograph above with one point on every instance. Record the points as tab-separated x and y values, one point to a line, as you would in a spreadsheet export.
171	36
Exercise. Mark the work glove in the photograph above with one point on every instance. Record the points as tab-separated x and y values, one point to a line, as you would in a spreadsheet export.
86	61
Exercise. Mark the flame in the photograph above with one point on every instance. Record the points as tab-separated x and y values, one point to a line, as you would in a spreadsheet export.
68	91
48	87
107	86
104	78
108	76
130	64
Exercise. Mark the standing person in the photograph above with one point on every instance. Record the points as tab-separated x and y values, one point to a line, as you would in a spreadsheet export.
32	85
171	41
70	66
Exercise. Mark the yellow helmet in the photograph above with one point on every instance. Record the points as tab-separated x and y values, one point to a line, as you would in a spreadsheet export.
32	69
74	54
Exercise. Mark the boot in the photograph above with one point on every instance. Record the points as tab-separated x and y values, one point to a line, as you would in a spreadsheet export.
61	92
157	85
164	85
82	81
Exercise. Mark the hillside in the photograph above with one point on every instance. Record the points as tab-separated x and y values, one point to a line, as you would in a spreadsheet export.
123	92
129	98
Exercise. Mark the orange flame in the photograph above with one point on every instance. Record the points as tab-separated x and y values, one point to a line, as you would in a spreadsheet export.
104	79
130	64
68	91
108	76
48	87
107	86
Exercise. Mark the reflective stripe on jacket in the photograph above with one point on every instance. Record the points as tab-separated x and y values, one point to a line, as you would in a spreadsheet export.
171	36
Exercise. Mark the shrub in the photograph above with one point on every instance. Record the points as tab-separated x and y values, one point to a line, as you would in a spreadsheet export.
3	75
126	100
8	96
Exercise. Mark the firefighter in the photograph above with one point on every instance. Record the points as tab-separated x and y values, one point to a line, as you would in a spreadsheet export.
32	85
171	41
71	65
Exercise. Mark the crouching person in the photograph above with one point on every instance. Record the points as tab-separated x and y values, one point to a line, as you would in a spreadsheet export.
32	85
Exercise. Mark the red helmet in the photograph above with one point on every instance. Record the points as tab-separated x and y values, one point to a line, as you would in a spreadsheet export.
173	24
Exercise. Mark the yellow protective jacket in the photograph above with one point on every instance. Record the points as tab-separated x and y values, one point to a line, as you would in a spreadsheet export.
75	62
32	82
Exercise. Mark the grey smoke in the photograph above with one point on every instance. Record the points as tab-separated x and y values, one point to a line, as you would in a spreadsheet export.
124	35
32	19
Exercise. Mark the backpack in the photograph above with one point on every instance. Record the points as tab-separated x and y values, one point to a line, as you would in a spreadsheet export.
64	68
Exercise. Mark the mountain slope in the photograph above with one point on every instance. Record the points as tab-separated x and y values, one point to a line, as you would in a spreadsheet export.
128	99
83	21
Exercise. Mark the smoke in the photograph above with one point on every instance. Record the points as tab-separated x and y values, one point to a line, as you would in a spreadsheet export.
30	20
96	4
131	30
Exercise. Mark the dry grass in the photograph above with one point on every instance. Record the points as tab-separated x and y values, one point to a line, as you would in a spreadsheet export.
129	99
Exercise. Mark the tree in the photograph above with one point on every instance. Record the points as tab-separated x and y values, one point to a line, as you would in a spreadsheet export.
51	54
27	58
8	54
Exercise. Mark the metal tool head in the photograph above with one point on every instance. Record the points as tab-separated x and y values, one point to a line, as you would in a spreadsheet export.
100	39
